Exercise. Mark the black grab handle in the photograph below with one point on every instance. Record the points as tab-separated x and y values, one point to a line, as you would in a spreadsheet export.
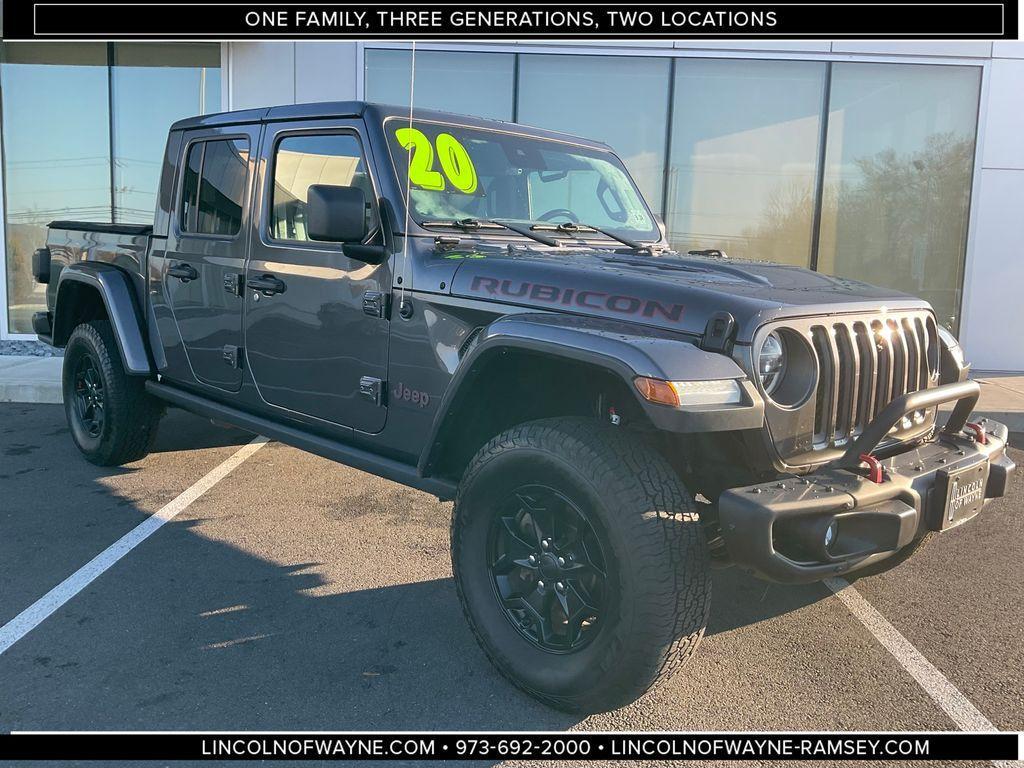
265	284
183	272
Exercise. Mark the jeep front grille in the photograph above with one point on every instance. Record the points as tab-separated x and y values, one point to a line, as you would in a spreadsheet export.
864	364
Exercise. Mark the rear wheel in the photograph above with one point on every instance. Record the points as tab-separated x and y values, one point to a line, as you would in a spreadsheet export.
580	563
112	419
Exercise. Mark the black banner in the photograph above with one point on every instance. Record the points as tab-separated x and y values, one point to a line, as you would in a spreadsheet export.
260	20
519	746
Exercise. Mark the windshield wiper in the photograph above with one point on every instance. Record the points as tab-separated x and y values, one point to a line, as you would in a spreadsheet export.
571	227
470	224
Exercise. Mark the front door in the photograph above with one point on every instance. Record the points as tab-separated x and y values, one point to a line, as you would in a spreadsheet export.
205	257
313	342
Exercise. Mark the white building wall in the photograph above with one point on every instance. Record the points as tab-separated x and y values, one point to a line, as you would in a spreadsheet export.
263	74
993	332
326	71
992	323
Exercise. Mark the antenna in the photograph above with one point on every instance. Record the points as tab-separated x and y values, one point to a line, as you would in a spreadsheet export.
405	309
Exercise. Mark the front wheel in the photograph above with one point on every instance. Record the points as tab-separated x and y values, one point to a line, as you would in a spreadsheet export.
112	419
580	563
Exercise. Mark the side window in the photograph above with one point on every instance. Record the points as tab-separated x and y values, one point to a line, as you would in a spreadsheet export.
300	162
213	206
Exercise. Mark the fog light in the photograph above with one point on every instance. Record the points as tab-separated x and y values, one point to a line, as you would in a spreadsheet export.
830	535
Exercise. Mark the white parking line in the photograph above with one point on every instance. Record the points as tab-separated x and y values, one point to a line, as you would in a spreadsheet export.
959	708
44	607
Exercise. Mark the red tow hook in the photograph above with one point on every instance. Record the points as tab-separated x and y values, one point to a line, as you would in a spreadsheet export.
874	467
979	432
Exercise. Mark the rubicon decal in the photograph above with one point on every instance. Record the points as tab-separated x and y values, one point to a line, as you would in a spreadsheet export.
571	297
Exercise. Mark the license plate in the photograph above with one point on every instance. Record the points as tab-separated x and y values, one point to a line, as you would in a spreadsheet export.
964	494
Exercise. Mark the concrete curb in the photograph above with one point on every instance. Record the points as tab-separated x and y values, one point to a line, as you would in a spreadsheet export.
28	379
40	392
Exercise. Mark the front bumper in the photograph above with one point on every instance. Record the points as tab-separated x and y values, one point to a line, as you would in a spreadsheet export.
778	529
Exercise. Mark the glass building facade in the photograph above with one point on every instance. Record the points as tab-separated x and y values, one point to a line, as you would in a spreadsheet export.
858	169
83	129
853	167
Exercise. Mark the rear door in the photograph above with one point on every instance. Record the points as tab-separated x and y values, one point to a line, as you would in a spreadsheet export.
205	257
315	342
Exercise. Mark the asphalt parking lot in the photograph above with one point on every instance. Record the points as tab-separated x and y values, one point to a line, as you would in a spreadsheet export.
300	594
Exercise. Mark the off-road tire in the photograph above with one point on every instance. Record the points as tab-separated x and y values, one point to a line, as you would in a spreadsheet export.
130	415
659	564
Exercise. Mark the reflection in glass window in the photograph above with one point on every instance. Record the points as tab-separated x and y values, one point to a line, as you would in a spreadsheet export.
185	77
478	84
221	187
302	161
62	168
898	165
53	168
620	100
744	147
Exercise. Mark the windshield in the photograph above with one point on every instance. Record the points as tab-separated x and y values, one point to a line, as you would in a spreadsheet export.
457	173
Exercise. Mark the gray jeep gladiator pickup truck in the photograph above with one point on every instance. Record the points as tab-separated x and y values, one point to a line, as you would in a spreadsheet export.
492	314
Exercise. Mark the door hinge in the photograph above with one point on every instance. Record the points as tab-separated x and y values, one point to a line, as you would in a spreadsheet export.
232	355
375	304
233	283
372	389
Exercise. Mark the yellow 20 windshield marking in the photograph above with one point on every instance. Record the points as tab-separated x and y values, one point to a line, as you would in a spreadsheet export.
422	160
456	163
452	155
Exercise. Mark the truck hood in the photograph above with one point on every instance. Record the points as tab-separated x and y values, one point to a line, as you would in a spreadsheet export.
668	291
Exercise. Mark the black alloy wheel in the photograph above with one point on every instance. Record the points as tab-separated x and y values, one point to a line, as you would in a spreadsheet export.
548	569
89	398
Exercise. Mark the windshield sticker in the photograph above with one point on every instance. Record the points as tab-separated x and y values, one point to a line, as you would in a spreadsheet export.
451	154
421	161
456	163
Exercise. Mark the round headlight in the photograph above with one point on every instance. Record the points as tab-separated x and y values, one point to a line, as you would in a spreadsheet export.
771	362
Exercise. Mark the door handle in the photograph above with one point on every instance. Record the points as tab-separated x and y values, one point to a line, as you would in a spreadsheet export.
268	285
183	272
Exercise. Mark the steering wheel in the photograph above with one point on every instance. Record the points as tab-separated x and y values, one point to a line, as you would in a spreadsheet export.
549	215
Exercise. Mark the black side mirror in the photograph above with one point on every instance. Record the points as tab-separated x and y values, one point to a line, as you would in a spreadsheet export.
336	214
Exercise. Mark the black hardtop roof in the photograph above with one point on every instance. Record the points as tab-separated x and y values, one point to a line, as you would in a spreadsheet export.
328	109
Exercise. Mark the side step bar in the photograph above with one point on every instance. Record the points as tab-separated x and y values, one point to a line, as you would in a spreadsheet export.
349	455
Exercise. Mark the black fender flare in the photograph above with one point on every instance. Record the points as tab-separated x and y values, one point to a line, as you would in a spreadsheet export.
115	290
626	350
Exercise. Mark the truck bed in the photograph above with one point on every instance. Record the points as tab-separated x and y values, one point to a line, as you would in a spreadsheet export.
94	226
67	242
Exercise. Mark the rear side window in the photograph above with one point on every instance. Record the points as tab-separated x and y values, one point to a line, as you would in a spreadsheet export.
213	192
300	162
